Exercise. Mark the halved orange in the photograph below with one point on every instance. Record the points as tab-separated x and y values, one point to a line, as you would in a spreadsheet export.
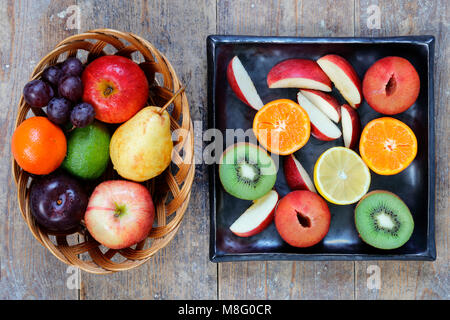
282	126
387	145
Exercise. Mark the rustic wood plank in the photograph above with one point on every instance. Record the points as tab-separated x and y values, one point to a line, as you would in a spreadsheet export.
417	280
282	279
28	270
182	269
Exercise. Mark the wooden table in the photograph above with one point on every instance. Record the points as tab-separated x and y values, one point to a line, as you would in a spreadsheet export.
182	270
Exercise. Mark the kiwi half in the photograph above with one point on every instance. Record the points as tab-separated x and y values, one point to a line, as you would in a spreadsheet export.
383	220
247	171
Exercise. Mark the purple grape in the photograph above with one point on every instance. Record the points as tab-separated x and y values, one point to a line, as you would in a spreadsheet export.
70	87
37	93
82	115
58	110
72	67
52	75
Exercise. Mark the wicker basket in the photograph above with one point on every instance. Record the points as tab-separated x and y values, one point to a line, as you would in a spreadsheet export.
170	191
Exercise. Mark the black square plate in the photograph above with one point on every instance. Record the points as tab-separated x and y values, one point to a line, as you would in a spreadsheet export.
415	185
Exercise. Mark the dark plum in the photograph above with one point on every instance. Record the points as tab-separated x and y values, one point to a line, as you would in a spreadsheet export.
82	115
52	75
70	87
72	67
58	202
37	93
58	110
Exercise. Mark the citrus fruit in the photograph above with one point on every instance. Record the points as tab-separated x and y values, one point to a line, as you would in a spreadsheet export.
38	145
87	151
282	126
341	176
387	145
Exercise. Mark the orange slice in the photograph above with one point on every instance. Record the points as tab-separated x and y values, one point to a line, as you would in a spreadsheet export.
387	146
282	126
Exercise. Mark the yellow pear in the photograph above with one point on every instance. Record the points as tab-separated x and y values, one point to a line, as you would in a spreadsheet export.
141	148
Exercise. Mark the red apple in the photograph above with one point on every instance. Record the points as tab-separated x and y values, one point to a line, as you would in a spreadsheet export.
351	126
257	217
302	218
322	127
391	85
119	213
296	176
116	87
242	85
298	73
325	102
344	78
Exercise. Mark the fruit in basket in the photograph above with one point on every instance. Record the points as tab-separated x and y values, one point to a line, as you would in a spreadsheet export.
141	148
344	78
58	110
119	213
298	73
341	176
70	87
322	127
57	202
37	93
87	151
38	145
282	126
82	115
257	217
324	102
242	85
116	87
391	85
52	75
296	176
383	220
351	126
387	145
72	66
247	171
302	218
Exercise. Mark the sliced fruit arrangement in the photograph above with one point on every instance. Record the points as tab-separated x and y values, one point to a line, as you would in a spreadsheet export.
391	85
257	217
383	220
341	176
298	73
282	126
302	218
296	176
387	145
242	85
325	102
247	171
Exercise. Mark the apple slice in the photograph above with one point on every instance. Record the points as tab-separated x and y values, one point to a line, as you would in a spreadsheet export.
322	128
298	73
257	217
344	77
351	126
296	176
325	102
242	85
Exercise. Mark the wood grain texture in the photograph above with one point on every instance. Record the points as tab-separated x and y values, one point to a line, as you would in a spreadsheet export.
417	280
28	271
281	279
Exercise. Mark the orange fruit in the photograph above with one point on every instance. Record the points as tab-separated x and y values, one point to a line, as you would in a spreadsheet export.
38	145
387	145
282	126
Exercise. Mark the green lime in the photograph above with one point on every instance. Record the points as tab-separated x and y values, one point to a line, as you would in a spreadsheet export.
87	151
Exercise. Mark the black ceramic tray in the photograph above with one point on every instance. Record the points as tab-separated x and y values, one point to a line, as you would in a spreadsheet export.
415	185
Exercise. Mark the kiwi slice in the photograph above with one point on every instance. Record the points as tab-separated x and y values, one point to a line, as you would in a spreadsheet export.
247	171
383	220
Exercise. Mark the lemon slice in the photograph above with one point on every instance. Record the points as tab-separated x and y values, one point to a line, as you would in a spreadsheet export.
341	176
